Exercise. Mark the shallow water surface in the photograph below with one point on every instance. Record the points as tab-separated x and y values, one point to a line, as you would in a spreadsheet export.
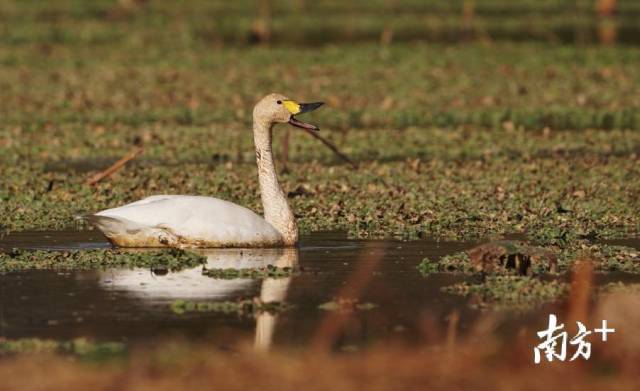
134	305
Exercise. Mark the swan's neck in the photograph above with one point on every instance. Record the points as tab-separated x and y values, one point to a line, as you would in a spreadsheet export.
274	202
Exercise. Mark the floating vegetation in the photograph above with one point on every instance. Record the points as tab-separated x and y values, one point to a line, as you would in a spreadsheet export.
481	161
511	271
171	259
606	258
82	347
247	307
512	257
509	292
427	266
346	305
505	257
457	190
269	271
516	257
619	287
454	263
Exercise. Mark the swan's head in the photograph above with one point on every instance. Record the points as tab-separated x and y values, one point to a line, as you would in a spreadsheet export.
278	108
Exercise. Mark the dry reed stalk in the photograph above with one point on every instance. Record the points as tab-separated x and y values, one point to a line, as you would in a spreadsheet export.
607	28
115	167
452	328
606	7
333	323
261	28
580	294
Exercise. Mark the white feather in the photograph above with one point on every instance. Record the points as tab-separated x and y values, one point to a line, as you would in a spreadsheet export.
180	220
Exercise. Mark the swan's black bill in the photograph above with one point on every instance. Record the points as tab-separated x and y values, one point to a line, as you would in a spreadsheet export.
305	108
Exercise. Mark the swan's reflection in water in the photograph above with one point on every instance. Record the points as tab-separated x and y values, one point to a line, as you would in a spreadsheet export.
155	285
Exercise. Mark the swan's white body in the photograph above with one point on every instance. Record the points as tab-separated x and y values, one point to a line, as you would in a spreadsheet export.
185	221
194	221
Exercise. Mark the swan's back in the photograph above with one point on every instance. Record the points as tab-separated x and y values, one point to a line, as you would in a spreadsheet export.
185	221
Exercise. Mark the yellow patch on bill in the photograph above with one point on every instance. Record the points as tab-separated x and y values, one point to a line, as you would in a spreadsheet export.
292	106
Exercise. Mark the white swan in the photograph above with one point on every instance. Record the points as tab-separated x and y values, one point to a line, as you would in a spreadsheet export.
196	221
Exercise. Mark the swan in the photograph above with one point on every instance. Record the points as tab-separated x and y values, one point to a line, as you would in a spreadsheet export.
186	221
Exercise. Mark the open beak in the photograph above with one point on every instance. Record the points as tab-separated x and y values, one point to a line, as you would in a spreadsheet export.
304	108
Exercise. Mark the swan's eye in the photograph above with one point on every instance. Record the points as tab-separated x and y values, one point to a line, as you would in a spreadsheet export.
279	102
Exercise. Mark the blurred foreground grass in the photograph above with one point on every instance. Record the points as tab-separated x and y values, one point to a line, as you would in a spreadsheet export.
484	358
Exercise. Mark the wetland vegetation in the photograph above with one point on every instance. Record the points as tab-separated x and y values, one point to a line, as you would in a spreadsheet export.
269	271
20	260
246	307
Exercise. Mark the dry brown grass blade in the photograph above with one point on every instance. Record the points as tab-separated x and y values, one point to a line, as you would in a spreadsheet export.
581	286
333	323
452	328
115	167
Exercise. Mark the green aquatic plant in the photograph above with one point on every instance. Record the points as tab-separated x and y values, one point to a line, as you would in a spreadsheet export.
427	266
605	257
247	307
509	292
346	305
512	257
512	154
172	259
619	287
504	289
494	258
80	347
452	263
269	271
542	260
458	189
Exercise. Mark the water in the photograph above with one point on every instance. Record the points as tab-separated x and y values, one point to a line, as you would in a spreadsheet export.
134	305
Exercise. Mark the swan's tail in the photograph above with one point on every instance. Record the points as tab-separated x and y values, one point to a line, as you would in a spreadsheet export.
127	233
108	225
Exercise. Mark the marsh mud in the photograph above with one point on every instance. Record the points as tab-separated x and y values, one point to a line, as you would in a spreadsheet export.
139	305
